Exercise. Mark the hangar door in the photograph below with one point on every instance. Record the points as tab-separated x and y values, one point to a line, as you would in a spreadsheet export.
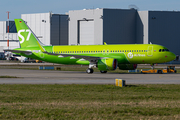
86	32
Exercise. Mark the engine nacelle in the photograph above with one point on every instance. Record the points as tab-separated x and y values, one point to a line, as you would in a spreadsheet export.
127	66
107	64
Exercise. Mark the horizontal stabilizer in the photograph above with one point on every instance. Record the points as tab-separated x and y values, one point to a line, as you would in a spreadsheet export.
19	51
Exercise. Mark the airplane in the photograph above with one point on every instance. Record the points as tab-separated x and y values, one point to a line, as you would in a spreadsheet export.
104	57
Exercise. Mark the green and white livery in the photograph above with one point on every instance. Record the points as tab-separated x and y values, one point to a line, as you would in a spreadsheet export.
104	57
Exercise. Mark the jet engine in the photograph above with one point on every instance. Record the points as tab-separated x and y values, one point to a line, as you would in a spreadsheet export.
107	64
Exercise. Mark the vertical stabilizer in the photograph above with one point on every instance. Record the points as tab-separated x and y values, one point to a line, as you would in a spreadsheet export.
25	34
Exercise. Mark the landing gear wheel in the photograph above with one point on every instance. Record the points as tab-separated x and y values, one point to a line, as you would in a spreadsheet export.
89	70
103	71
159	71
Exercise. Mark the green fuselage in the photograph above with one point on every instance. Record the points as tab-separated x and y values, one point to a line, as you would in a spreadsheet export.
124	53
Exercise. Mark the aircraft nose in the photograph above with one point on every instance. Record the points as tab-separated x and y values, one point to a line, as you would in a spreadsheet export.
171	56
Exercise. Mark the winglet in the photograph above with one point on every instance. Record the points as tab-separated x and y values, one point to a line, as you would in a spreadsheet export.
105	43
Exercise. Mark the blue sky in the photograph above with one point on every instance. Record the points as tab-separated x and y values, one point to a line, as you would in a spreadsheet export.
18	7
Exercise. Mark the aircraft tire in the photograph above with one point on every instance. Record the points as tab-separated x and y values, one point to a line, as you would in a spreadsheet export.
103	71
159	71
89	70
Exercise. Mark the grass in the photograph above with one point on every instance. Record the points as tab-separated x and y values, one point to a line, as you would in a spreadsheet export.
89	102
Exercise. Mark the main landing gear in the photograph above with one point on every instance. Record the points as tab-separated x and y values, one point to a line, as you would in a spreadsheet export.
90	70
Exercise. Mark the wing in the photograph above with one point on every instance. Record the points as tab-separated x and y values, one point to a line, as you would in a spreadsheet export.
73	56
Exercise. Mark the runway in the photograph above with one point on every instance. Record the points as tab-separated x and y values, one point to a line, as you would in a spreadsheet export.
76	77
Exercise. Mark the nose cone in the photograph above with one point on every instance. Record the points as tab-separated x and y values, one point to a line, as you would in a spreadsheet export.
171	56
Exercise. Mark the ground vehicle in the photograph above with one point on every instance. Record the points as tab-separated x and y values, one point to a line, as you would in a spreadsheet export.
169	69
29	60
38	61
151	71
13	58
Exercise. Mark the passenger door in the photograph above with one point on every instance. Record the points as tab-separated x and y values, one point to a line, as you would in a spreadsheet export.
150	51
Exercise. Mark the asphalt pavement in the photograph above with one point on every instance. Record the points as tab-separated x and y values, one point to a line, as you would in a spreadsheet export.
78	77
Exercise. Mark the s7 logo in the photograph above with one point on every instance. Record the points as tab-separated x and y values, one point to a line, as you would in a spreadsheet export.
22	37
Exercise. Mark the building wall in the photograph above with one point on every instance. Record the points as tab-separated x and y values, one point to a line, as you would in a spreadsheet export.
142	34
59	29
79	16
64	22
164	29
40	25
55	36
119	26
3	31
139	29
13	37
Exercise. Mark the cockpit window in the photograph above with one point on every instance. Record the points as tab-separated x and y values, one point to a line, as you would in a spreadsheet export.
163	50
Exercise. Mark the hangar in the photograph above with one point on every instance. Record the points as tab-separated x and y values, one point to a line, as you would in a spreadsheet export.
125	26
96	26
51	29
